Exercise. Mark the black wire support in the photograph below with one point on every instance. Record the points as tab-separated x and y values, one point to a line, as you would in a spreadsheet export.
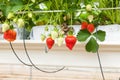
99	60
32	61
18	56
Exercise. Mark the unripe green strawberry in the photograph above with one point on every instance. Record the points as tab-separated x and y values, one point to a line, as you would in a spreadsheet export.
60	41
90	18
88	7
30	15
15	20
84	15
43	37
46	28
5	27
10	15
20	23
54	34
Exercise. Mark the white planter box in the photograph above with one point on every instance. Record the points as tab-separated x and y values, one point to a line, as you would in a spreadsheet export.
61	56
112	32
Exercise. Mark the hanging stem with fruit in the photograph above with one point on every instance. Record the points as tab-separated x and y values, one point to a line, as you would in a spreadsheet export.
70	39
89	32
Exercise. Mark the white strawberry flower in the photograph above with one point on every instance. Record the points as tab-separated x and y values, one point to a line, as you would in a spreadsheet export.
42	6
10	15
5	27
54	34
88	7
20	23
60	41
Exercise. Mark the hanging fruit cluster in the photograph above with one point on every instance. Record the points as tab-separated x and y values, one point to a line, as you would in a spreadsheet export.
88	32
59	36
9	33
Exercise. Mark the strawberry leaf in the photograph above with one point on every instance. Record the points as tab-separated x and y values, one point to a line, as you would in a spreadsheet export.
83	35
100	35
92	45
16	8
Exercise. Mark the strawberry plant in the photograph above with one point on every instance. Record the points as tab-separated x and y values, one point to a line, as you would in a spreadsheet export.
27	14
89	32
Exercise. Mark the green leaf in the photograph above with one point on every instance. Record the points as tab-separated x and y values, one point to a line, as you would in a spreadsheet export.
83	35
13	6
100	35
16	8
6	10
92	45
16	2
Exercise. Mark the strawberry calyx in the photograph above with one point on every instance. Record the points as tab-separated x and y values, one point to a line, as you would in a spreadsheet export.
70	32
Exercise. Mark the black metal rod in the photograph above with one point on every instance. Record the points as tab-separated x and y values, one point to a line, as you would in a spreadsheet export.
32	61
18	56
99	60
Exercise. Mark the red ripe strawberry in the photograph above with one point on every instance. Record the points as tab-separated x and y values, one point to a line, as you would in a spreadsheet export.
10	35
84	25
50	42
70	41
91	28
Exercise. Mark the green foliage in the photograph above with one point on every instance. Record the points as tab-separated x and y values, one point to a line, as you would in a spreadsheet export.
100	35
10	6
83	35
112	15
92	45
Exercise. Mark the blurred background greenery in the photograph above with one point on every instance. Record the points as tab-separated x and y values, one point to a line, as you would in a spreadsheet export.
70	7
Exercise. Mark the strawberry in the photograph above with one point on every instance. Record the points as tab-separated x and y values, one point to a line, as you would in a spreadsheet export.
84	25
43	37
10	15
30	15
60	41
50	42
10	35
20	23
70	41
5	27
15	20
54	34
88	7
91	28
